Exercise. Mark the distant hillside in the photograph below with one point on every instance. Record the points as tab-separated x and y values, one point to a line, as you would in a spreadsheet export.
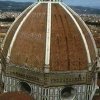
86	10
13	6
20	6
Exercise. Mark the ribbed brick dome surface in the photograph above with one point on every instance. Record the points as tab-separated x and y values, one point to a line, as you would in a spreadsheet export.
50	35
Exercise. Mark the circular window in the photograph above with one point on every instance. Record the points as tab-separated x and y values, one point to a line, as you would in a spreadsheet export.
23	86
68	93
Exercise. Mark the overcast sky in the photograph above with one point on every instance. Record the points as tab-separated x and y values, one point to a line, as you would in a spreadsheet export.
71	2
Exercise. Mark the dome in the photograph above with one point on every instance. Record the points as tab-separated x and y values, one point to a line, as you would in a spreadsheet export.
49	37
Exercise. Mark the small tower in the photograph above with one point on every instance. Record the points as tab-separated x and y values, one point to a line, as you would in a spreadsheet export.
50	53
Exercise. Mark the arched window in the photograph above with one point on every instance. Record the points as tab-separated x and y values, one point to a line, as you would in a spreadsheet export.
68	93
23	86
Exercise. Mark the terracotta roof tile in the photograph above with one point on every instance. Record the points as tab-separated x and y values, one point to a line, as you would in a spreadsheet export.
15	96
96	98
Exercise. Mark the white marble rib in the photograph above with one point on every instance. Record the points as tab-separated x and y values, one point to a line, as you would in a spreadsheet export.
14	24
18	29
80	30
89	32
48	38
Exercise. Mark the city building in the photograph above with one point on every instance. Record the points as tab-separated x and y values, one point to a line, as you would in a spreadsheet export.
50	53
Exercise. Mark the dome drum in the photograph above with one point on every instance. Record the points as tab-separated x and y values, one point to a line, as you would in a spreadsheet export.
52	78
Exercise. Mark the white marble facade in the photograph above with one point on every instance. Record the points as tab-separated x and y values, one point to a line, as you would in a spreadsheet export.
83	92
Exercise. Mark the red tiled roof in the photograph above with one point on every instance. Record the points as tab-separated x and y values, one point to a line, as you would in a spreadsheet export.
97	40
15	96
98	82
96	98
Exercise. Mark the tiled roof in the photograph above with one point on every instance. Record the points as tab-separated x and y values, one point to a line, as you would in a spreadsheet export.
15	96
96	98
